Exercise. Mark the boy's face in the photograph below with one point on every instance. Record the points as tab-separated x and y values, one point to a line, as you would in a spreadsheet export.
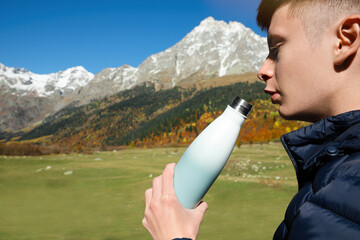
298	73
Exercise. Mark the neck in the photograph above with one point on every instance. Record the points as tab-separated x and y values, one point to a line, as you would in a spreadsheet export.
347	97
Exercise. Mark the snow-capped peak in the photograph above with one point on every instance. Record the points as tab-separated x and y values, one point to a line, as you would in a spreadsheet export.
60	83
208	20
214	48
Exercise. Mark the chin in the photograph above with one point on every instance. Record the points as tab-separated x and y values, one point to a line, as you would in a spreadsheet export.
297	116
286	116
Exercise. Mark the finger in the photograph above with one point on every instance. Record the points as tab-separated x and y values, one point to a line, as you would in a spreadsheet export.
148	196
157	187
168	179
145	223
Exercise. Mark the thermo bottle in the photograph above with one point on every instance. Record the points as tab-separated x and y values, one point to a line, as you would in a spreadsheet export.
207	155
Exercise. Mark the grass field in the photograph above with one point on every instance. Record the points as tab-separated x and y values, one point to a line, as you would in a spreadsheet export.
101	195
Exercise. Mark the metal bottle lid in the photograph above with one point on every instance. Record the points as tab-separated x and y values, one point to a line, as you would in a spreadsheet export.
241	106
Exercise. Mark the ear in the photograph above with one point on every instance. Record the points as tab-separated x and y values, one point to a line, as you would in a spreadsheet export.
348	39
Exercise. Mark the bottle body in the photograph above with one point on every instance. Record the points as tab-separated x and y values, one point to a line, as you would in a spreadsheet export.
205	158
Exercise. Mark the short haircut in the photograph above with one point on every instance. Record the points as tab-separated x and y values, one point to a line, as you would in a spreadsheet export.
316	15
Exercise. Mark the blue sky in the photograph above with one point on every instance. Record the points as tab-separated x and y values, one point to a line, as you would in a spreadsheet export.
47	36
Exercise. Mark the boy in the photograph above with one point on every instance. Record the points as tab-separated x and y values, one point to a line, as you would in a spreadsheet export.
312	73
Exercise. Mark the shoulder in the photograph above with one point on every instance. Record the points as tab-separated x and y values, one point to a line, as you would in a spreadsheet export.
329	207
334	209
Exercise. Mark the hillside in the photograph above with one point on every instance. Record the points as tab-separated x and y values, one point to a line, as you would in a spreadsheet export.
145	117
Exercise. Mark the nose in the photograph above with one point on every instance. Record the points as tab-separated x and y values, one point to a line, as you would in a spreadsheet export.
267	70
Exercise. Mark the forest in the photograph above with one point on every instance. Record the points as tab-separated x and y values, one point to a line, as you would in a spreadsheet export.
145	117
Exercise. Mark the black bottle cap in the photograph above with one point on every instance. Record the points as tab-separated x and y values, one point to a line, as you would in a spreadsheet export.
241	106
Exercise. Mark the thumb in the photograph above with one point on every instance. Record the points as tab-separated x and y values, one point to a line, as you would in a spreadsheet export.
201	208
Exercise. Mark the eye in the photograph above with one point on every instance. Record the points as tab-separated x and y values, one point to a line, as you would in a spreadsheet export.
274	52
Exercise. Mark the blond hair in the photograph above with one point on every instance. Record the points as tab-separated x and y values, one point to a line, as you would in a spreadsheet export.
316	15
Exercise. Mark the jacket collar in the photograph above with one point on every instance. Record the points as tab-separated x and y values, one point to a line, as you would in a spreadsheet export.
307	145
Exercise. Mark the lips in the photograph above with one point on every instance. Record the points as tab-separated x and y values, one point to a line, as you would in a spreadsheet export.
275	97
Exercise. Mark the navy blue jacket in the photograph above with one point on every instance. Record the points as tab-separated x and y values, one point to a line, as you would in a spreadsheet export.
326	157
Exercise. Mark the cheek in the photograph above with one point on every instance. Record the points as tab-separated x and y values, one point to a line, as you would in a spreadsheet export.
295	73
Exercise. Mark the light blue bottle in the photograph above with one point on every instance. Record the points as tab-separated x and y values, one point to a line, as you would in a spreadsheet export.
207	155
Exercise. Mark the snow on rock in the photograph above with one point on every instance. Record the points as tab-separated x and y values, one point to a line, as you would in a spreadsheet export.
43	85
214	48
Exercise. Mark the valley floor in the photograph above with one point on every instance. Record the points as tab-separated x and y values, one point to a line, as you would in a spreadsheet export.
101	195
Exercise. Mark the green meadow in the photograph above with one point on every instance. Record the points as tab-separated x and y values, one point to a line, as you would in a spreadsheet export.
101	195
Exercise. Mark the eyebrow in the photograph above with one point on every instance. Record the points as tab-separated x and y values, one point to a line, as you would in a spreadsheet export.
274	38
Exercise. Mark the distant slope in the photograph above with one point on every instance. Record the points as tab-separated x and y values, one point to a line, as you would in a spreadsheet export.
145	117
205	101
134	115
100	119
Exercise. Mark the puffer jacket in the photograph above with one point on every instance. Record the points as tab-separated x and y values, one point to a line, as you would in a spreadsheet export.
326	157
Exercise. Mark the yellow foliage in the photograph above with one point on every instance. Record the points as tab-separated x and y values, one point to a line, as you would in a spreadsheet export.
43	139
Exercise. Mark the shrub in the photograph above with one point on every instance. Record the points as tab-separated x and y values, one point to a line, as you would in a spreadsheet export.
19	149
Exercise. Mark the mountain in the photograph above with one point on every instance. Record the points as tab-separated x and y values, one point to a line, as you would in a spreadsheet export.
145	117
212	50
138	114
27	98
23	82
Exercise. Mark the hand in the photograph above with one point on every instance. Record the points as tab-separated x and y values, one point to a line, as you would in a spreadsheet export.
165	217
